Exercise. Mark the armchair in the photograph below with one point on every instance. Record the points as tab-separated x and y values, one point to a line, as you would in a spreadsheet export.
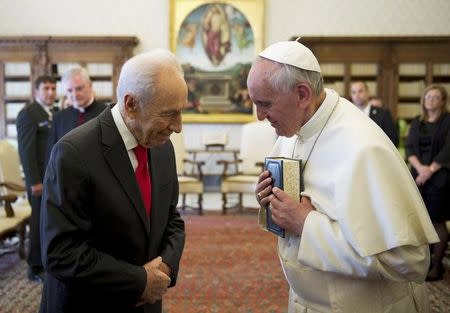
13	219
190	182
257	141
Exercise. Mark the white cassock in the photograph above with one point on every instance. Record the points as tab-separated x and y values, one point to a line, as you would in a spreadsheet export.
365	248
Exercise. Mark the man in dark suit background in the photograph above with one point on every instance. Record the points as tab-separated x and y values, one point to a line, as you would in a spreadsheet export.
78	87
33	123
112	241
383	118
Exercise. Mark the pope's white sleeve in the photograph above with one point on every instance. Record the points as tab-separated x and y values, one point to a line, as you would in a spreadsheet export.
324	247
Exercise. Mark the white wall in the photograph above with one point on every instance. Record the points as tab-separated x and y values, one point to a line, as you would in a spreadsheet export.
356	18
149	21
146	19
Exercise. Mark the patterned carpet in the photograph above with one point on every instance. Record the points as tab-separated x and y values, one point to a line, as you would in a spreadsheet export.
229	265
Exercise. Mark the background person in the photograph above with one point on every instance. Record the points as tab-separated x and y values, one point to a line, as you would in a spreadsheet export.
383	118
80	95
112	237
428	151
349	247
33	123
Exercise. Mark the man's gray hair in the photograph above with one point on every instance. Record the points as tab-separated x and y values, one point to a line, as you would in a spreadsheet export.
138	74
75	71
285	77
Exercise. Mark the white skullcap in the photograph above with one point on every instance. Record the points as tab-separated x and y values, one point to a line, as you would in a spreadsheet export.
292	53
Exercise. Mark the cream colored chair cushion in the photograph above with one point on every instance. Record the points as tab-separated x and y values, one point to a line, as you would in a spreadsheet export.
188	183
22	213
8	224
10	170
12	184
241	183
22	209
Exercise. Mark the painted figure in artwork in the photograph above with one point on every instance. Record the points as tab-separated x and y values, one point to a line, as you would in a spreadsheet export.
216	33
189	35
216	45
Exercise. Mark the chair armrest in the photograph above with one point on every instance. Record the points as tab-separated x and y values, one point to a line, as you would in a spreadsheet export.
260	164
199	165
219	146
8	207
226	163
13	186
199	168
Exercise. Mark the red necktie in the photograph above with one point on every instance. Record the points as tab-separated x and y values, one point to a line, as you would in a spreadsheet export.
80	118
143	176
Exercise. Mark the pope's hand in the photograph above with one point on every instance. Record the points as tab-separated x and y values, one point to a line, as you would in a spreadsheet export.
288	213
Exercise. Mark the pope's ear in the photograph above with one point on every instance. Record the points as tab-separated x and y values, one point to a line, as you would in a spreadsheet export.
304	93
130	105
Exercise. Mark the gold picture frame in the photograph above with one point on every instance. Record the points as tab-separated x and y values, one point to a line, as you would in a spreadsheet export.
216	41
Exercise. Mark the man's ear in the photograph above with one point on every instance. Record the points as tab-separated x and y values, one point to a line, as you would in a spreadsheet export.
304	93
130	105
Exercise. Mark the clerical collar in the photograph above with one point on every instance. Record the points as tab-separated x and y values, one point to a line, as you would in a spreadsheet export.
320	117
83	109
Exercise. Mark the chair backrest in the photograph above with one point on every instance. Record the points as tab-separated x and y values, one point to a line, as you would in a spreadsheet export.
257	142
180	153
10	167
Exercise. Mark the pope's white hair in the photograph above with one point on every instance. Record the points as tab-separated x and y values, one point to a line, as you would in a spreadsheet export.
138	75
285	77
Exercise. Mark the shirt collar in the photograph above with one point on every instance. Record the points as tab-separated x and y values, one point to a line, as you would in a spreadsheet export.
127	137
320	117
44	106
366	110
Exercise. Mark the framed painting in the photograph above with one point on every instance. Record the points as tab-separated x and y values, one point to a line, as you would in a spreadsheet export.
216	42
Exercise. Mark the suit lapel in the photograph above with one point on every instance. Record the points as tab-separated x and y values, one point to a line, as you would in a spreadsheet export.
43	115
119	162
374	115
154	177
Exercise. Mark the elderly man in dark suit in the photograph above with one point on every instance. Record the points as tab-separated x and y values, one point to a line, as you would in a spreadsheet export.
112	237
33	123
382	117
78	87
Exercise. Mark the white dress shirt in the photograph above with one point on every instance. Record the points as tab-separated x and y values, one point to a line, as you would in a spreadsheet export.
127	137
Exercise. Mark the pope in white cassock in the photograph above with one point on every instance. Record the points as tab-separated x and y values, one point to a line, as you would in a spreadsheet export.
358	240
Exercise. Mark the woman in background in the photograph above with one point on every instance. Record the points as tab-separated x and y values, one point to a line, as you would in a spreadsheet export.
428	151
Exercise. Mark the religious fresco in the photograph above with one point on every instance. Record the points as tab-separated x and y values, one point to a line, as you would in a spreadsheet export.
216	45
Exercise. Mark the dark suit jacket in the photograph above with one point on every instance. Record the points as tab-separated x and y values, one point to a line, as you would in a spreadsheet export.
67	119
33	124
95	232
384	119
